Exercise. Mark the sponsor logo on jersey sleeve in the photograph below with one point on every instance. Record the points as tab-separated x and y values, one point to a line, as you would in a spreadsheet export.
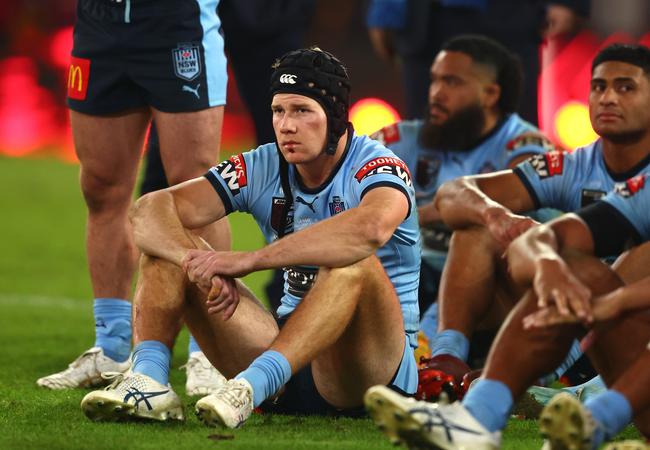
548	164
385	165
631	186
78	77
233	172
387	135
530	139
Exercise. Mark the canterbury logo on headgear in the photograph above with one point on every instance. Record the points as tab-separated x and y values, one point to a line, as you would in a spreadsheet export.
288	78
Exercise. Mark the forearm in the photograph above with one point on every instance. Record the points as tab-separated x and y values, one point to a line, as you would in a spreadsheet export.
527	253
336	242
460	204
634	296
158	230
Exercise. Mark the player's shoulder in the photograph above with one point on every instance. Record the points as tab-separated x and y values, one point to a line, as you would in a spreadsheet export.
521	134
397	132
636	186
367	160
241	166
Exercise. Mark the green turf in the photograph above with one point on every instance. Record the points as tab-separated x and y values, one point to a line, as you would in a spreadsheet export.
46	320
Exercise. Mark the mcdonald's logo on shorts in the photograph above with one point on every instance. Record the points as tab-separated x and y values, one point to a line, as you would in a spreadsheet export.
78	75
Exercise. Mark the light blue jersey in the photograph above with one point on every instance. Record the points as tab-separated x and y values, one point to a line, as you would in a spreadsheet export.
250	183
431	168
569	181
509	140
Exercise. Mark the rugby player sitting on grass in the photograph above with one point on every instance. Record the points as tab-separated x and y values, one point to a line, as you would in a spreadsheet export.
339	213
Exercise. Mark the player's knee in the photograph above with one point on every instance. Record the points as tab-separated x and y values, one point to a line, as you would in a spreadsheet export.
193	167
473	238
102	192
353	273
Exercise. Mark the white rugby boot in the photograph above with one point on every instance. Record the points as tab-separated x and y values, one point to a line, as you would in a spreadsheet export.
565	424
202	377
230	406
132	396
85	371
418	424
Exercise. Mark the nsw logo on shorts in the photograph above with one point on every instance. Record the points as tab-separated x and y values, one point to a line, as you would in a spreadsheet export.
187	61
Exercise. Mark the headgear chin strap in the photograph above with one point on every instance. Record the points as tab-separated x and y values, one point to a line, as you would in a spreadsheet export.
319	75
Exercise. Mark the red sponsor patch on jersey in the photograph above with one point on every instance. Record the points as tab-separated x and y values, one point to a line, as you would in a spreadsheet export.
555	163
240	168
530	139
391	134
635	184
78	77
383	161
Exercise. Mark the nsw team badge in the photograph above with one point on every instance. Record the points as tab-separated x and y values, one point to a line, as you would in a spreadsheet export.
187	61
336	205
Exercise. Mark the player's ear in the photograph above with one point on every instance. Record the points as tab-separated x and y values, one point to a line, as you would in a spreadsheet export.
492	92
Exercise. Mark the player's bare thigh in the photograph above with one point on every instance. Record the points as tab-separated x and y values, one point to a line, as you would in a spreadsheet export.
506	295
634	264
189	141
370	349
230	345
109	148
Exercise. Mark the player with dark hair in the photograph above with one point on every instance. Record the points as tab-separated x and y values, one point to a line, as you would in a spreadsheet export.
571	291
477	291
338	211
471	127
133	61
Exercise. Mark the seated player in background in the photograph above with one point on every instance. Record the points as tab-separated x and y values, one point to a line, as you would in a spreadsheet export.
571	292
470	127
338	211
477	291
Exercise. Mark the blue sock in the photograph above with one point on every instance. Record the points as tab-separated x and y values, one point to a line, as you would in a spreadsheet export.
574	354
152	358
429	322
490	402
451	342
267	374
193	346
113	327
612	411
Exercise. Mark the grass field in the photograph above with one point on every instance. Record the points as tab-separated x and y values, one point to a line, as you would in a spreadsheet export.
46	321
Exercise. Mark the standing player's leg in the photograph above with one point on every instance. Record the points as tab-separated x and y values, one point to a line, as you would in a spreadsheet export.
189	146
109	149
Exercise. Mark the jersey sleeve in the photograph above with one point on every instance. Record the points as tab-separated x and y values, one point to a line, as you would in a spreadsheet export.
232	179
384	171
548	178
620	217
528	143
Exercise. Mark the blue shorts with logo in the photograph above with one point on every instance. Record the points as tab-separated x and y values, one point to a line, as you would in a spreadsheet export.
133	53
301	396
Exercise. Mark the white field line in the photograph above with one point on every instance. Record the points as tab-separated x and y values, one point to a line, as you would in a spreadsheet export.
42	301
